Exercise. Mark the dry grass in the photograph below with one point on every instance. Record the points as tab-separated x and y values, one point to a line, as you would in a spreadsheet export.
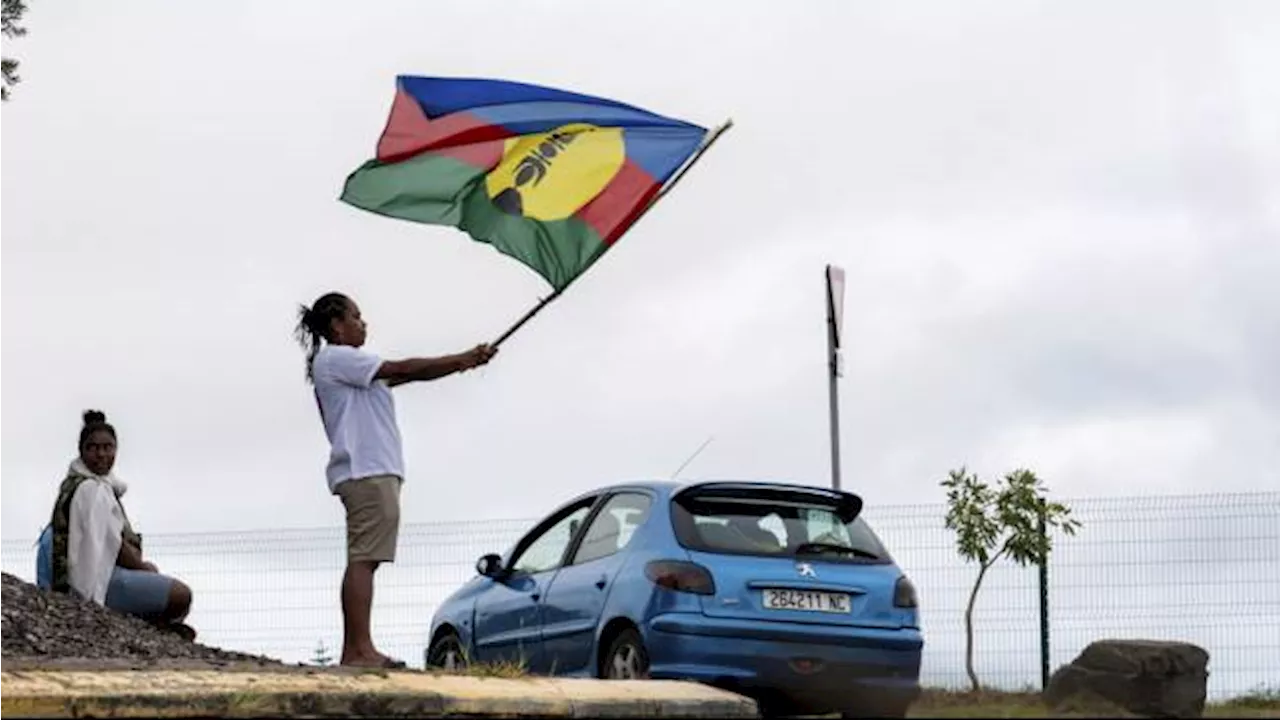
1263	702
1027	704
508	670
505	670
984	703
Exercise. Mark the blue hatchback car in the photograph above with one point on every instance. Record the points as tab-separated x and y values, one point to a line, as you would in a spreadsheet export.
776	591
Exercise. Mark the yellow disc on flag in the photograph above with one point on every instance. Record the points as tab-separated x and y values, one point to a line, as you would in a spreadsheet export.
550	176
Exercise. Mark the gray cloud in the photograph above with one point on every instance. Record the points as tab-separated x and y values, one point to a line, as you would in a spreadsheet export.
1059	224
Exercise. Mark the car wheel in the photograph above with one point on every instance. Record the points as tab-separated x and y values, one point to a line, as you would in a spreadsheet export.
446	653
626	658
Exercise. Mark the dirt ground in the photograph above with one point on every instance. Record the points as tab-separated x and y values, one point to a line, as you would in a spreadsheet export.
945	704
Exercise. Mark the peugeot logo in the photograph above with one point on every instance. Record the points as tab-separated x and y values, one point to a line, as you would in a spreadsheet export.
806	570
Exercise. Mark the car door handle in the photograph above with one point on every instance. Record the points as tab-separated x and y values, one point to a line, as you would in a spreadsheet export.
602	582
535	596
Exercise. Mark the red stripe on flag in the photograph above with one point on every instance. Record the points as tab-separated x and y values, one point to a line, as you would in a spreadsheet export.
612	211
484	155
459	135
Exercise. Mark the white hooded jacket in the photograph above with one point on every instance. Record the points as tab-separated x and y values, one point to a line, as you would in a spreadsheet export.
97	521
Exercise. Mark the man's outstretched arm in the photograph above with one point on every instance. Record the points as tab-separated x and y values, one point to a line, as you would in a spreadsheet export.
398	372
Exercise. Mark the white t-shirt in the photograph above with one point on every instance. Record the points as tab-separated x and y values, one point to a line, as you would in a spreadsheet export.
359	415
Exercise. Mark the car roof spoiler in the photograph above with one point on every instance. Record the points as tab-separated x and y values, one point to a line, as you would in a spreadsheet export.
846	505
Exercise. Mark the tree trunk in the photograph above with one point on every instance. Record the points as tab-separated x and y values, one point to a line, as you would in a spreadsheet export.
968	629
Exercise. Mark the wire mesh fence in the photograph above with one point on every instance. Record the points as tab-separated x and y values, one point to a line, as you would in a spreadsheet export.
1204	569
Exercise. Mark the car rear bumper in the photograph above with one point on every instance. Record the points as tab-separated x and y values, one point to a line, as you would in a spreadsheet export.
835	667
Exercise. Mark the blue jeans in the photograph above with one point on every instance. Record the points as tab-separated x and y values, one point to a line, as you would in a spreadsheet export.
138	592
133	592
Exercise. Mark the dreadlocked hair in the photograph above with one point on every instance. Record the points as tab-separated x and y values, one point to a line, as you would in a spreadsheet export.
315	323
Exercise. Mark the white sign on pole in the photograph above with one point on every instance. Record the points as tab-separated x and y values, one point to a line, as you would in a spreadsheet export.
835	322
835	290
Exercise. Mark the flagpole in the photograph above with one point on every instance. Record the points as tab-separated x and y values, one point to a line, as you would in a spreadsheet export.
702	149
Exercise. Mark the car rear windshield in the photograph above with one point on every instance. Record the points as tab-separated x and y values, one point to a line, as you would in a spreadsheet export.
756	525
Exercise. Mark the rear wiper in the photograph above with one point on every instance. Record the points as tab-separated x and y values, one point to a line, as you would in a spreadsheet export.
816	548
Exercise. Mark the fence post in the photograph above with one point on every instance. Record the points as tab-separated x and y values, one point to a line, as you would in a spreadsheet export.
1044	612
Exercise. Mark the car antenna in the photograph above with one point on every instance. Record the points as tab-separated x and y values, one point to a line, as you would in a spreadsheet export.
695	454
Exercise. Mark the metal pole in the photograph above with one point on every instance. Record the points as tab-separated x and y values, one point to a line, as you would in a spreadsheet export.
833	359
526	317
1044	613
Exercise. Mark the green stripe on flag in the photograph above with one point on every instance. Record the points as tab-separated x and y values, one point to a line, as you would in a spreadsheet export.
426	188
440	190
558	250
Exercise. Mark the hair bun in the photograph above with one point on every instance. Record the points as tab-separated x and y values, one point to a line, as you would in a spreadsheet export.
94	417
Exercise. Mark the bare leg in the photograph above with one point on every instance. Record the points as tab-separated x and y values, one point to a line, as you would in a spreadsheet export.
175	611
179	602
373	516
357	606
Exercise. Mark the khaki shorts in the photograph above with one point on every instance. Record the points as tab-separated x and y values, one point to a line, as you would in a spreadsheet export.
373	517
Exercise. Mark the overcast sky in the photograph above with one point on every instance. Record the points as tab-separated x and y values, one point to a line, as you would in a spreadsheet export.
1060	224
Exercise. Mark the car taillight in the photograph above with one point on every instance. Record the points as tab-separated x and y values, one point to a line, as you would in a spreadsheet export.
680	576
904	594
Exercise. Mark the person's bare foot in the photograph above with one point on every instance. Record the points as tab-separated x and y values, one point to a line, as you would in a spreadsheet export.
184	631
377	660
181	629
361	659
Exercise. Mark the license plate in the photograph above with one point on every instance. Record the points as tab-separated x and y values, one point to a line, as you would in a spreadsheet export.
806	601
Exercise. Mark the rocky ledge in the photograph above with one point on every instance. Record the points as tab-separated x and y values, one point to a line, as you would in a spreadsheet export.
55	630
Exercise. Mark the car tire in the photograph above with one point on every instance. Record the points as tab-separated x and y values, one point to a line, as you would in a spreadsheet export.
446	653
626	658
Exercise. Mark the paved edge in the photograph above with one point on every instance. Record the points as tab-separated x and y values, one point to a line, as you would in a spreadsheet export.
208	693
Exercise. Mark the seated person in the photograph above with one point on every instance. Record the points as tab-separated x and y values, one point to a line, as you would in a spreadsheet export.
89	548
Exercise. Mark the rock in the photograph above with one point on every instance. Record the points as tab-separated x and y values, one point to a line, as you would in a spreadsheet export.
1151	678
48	628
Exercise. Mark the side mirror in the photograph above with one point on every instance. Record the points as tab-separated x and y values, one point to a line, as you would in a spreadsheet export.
489	565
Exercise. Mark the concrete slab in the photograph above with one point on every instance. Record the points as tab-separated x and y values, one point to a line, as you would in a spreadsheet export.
209	693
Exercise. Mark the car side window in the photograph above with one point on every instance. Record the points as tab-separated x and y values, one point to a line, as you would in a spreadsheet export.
547	549
613	526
